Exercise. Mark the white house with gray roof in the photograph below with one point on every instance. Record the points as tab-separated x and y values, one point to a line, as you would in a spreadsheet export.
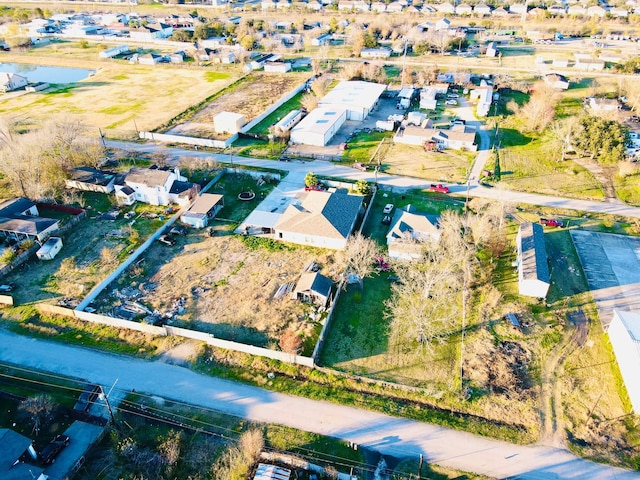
320	219
533	271
409	231
159	186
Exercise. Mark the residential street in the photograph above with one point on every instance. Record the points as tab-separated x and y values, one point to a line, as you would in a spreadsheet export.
389	435
395	182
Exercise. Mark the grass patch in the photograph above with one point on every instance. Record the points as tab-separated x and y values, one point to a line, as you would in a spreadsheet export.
628	188
215	76
263	127
362	146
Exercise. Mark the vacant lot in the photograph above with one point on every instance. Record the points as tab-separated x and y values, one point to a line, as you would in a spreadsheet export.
249	96
120	97
413	161
92	248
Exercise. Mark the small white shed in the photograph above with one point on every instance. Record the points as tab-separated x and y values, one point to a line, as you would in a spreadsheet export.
50	249
624	334
228	122
533	270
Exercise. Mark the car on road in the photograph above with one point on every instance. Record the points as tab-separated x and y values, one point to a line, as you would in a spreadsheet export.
551	222
451	102
453	95
167	239
439	188
178	230
51	451
387	208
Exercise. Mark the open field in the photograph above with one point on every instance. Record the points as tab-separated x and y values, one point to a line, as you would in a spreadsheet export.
92	249
120	97
413	161
250	96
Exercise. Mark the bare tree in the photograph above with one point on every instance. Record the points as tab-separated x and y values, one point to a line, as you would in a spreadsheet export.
309	101
320	86
37	410
540	110
360	253
290	342
562	131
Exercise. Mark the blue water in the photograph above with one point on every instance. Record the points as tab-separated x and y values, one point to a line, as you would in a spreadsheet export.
38	73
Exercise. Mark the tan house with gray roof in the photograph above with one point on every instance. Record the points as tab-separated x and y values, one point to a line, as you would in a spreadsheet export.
159	186
320	219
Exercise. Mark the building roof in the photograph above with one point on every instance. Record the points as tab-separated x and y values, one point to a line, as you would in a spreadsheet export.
533	264
26	225
323	214
178	187
354	94
15	206
205	203
408	225
320	120
271	472
630	321
148	177
13	445
92	176
314	282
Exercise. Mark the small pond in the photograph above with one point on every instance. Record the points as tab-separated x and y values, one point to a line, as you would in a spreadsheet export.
38	73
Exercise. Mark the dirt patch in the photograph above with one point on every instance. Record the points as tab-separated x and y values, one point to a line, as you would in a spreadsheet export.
500	369
252	96
181	354
604	175
220	286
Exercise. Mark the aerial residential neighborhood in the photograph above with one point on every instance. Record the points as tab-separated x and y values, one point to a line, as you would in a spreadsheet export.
319	239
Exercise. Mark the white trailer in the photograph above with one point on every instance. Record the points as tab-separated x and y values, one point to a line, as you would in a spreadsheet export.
50	249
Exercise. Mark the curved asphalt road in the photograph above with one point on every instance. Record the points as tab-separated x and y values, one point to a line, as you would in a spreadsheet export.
393	436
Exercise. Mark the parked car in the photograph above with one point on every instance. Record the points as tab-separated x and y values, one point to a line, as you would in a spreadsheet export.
176	230
551	222
387	208
451	102
386	220
438	187
453	95
167	239
51	451
7	287
314	188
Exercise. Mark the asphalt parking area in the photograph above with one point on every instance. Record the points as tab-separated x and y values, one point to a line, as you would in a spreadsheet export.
611	264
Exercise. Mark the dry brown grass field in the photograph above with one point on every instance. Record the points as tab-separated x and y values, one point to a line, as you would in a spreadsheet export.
447	166
119	93
228	288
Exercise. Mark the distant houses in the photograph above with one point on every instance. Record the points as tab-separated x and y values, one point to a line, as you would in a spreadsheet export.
458	137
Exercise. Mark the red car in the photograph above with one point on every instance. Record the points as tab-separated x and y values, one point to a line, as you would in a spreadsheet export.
551	222
440	188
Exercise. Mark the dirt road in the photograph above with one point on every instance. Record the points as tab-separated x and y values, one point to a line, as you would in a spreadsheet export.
385	434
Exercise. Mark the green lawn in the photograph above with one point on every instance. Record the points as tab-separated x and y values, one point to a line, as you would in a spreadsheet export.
362	147
628	188
262	128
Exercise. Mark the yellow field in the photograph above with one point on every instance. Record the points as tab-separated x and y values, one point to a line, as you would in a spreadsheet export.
119	93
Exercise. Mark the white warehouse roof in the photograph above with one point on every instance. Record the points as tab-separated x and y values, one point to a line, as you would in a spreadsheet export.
320	120
356	94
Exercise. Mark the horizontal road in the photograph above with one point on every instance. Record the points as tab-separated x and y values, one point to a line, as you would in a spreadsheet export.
388	435
393	182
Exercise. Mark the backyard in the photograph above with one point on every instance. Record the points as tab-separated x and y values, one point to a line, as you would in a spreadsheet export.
222	283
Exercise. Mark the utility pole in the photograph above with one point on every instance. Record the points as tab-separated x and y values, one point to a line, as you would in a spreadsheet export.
106	400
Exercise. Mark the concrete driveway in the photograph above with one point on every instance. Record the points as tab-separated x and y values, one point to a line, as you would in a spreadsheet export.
611	264
388	435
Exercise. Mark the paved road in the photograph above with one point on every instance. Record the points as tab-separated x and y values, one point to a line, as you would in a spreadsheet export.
388	435
393	181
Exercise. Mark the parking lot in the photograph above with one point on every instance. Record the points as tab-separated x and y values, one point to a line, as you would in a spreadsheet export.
611	264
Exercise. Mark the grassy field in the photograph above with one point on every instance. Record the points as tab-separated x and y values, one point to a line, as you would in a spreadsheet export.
413	161
120	97
263	127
